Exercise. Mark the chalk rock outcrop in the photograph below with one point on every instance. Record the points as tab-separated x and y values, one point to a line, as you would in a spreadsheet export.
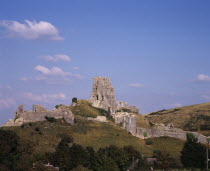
39	114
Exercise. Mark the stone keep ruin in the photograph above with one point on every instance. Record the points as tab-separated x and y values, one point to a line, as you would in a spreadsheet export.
39	114
102	95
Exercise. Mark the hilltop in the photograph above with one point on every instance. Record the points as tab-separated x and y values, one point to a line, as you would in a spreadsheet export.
189	118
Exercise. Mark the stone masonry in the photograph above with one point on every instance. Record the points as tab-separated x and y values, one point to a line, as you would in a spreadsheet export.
102	95
38	114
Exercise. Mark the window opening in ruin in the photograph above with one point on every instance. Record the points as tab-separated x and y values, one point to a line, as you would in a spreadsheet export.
97	97
102	98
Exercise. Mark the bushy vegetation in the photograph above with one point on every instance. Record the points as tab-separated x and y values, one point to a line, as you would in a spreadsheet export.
50	119
57	106
74	100
193	153
165	161
148	141
109	158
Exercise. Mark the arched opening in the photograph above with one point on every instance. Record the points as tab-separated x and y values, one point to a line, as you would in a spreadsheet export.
102	98
97	97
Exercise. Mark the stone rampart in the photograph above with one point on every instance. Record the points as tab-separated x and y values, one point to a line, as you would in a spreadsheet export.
39	114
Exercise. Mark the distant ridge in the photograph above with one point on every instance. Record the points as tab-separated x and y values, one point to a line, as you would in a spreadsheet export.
190	118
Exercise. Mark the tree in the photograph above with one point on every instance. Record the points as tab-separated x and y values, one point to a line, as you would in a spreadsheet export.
9	143
193	153
74	100
164	160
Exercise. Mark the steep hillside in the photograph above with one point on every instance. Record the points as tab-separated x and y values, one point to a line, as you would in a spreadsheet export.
189	118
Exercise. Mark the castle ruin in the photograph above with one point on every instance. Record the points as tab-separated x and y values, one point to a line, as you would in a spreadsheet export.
102	95
39	113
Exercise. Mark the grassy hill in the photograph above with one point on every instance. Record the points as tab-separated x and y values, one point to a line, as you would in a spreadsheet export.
189	118
44	136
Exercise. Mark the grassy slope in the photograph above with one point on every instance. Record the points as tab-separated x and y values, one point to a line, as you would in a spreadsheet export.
89	133
193	118
86	133
171	145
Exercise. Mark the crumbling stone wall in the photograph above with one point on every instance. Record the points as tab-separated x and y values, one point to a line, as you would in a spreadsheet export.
162	130
127	120
124	105
38	114
102	95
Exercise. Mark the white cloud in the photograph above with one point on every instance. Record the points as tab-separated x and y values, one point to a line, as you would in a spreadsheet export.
76	68
138	85
177	105
54	71
202	77
55	58
6	103
31	30
45	98
51	75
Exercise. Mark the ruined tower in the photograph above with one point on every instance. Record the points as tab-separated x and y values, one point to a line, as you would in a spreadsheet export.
102	95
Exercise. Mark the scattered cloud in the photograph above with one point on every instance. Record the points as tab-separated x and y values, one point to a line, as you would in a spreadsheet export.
54	71
55	58
76	68
44	98
202	77
6	103
177	105
31	30
137	85
52	75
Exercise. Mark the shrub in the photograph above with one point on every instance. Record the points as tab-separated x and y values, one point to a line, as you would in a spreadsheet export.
57	106
145	134
37	129
74	100
148	141
50	119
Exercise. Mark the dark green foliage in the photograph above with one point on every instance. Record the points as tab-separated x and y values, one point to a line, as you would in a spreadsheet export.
50	119
193	153
148	141
9	143
74	100
67	157
163	112
37	129
13	152
165	161
57	106
145	134
109	158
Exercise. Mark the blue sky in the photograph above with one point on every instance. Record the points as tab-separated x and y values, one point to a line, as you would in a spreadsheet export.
156	52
